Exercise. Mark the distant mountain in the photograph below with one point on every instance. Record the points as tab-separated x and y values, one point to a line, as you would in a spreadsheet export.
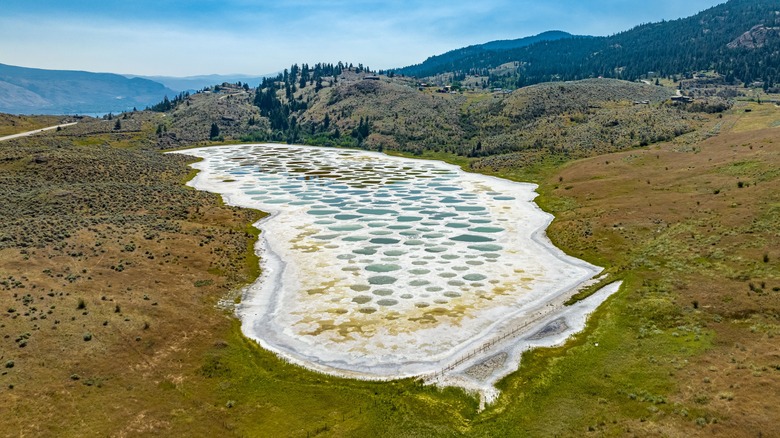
194	83
462	59
738	39
37	91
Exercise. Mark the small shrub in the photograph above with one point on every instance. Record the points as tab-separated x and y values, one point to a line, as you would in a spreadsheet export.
9	364
87	337
213	367
81	305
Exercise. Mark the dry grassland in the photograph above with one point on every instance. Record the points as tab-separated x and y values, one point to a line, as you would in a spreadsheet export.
108	292
11	124
111	272
698	228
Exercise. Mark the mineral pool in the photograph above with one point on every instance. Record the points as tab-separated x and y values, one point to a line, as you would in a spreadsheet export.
380	266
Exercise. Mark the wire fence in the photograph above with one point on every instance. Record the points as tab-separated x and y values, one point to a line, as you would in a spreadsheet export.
487	346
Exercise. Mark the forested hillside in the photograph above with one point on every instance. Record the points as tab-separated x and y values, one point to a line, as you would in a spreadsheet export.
453	60
738	39
343	105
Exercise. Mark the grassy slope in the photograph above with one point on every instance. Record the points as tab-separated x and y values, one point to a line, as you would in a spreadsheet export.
696	229
10	124
661	364
572	119
101	256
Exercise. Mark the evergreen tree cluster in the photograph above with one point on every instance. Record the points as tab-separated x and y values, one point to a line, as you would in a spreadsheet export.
271	106
361	132
453	61
214	132
167	105
667	48
276	99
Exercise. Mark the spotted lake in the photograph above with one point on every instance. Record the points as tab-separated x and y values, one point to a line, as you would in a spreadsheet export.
380	266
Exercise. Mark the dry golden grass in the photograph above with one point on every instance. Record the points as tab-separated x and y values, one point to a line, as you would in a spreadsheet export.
702	220
10	124
752	116
104	319
148	325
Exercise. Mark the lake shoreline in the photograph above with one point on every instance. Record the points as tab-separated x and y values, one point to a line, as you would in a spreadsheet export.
262	301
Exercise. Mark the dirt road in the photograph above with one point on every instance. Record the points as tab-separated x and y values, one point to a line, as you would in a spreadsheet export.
25	134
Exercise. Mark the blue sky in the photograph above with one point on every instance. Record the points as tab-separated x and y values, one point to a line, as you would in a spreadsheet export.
194	37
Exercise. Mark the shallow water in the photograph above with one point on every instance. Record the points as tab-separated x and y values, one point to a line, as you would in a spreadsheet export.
384	265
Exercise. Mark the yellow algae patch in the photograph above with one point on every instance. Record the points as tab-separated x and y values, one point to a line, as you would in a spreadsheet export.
326	285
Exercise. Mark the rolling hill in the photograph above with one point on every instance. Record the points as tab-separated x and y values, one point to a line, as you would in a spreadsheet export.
495	130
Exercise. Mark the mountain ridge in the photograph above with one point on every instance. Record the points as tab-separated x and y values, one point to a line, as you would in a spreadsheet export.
436	62
666	48
25	90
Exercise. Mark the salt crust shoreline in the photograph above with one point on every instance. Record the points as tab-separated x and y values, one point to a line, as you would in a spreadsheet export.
508	337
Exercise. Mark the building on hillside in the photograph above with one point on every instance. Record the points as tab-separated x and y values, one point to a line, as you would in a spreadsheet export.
682	99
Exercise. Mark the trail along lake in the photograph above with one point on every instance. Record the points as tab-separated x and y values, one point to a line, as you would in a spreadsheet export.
380	267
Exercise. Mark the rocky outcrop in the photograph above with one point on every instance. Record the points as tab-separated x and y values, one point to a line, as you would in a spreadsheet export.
755	38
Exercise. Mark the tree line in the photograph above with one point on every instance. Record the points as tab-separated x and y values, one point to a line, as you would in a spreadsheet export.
667	48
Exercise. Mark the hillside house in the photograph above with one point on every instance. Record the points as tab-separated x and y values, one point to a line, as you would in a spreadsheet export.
682	99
